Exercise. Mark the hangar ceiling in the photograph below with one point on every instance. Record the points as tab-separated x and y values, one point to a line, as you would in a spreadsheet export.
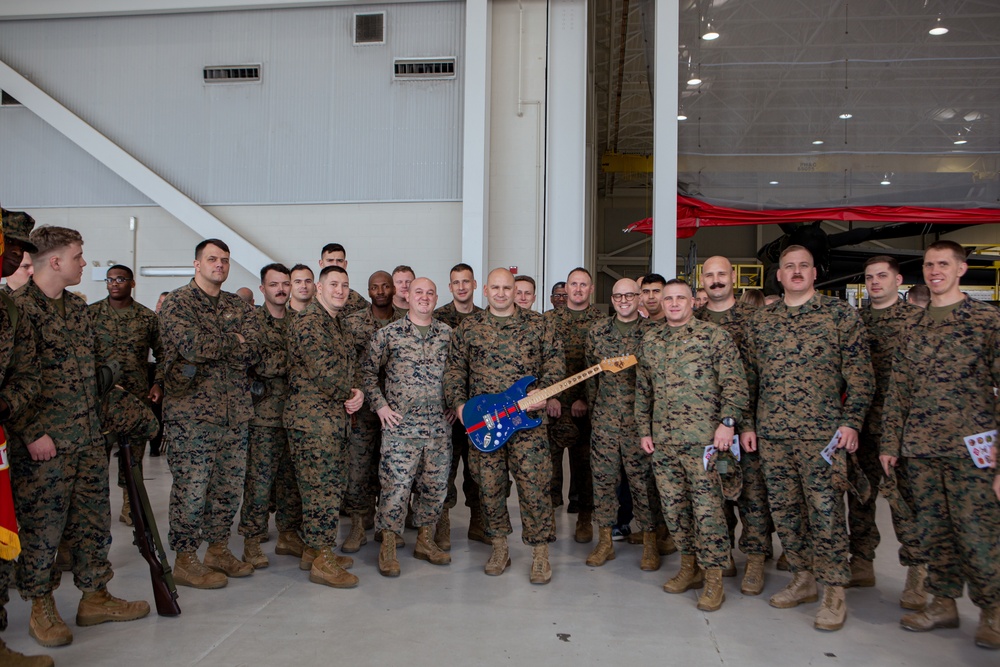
804	103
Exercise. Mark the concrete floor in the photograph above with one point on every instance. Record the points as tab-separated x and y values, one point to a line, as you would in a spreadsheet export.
455	615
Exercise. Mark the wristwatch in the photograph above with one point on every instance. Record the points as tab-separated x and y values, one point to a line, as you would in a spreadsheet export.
729	422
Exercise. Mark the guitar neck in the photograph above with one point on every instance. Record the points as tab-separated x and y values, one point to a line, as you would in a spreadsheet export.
549	392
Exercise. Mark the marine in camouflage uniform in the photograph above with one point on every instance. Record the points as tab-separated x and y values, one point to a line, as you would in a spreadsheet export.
209	343
944	376
126	335
363	446
570	327
68	493
887	327
755	538
269	461
19	385
690	388
416	447
323	376
487	354
459	440
803	360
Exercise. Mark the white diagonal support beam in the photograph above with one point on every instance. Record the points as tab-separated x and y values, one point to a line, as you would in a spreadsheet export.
138	175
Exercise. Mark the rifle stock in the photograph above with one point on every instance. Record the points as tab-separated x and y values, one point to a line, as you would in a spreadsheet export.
147	537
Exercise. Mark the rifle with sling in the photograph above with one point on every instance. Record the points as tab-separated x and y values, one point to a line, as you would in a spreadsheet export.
146	535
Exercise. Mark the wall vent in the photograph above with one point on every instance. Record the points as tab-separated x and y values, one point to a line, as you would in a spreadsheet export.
232	74
369	28
424	68
7	100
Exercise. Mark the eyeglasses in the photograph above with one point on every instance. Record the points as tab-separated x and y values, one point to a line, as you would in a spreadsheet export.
628	296
558	297
116	280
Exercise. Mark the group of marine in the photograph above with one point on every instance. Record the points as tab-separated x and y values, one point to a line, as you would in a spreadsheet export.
320	404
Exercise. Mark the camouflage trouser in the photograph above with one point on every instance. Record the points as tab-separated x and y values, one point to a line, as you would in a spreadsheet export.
864	535
807	508
6	580
958	527
612	447
573	434
208	464
362	463
527	456
62	499
692	504
755	538
420	464
321	470
460	452
269	466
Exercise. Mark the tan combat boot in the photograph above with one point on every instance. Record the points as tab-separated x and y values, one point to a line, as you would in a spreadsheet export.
289	544
801	589
730	570
782	564
103	607
499	558
357	538
940	613
988	634
688	577
189	571
388	564
713	595
477	532
46	625
442	531
650	560
400	542
126	515
221	559
253	554
541	571
309	556
664	542
584	527
914	596
862	573
605	549
327	571
753	578
833	612
11	658
427	549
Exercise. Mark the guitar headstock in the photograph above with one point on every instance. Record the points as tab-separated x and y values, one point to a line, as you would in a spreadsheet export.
615	364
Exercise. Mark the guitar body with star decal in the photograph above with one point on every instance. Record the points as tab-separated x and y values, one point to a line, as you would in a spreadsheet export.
491	419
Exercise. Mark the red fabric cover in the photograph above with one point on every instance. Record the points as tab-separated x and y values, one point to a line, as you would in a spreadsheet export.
692	214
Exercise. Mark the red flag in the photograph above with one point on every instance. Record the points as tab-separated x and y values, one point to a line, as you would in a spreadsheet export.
10	545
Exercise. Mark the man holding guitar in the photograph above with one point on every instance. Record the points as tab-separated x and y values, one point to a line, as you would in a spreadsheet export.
489	350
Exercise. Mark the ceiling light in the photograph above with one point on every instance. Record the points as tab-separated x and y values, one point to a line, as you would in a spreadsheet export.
694	80
960	141
681	116
886	181
772	182
818	142
710	32
938	29
845	116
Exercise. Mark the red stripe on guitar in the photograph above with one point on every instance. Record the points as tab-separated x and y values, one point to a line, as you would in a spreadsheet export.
475	427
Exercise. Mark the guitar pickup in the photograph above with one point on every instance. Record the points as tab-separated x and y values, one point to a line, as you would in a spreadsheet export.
489	421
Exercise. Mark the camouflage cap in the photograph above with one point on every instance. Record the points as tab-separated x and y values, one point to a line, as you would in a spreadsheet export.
730	474
17	225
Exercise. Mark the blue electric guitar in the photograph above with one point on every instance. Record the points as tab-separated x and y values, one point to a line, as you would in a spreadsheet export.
491	419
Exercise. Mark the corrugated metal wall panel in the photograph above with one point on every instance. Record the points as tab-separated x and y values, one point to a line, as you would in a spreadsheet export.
327	123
